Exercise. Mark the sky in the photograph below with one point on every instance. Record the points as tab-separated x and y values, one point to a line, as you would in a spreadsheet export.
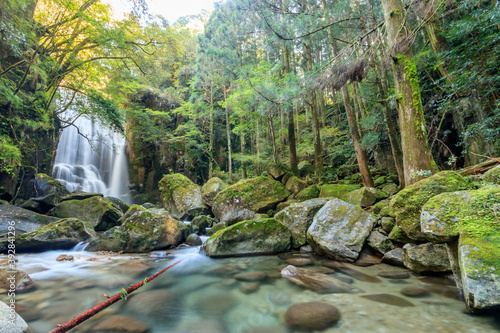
170	9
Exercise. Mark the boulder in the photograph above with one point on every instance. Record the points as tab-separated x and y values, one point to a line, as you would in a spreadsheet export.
387	224
365	196
312	280
80	195
216	227
193	240
240	202
308	193
63	234
337	190
479	260
286	177
379	242
445	215
380	181
298	217
100	212
278	170
305	169
47	191
200	223
379	206
25	220
295	184
119	323
426	258
311	316
21	282
492	176
254	237
390	188
181	197
142	231
394	257
11	321
397	235
211	188
339	230
407	204
120	203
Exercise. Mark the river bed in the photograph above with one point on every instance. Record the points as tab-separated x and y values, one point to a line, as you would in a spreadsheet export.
190	297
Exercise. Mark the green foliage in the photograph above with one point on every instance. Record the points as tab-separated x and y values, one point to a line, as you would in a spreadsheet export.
10	156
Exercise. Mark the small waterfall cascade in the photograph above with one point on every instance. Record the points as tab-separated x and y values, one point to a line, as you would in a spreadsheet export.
94	163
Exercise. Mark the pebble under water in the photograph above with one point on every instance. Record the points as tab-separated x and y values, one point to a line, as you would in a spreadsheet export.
192	297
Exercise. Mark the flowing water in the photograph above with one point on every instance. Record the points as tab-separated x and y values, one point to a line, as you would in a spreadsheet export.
93	162
188	298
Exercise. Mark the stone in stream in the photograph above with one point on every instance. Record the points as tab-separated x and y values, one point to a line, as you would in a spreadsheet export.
158	304
249	287
65	257
18	326
63	234
251	276
193	240
22	281
299	261
394	257
401	274
119	323
224	270
46	191
309	279
241	201
339	230
351	271
311	316
380	242
215	304
415	292
426	258
25	220
389	299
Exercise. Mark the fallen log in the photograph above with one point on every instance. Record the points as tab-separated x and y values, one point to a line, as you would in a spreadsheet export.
480	168
113	299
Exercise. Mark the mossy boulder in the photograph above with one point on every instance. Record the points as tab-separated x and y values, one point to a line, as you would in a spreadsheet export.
365	196
211	188
120	203
242	200
295	184
479	260
142	231
80	195
26	220
492	176
278	170
298	217
444	216
200	223
255	237
46	191
305	169
397	235
100	212
339	230
310	192
339	191
390	188
180	196
426	258
215	228
63	234
407	204
380	181
379	242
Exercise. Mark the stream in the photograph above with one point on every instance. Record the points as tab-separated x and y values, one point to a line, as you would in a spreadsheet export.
200	295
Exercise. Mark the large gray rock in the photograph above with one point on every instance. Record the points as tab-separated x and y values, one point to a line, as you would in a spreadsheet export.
46	191
25	220
426	258
339	230
365	196
62	234
298	217
480	271
318	282
380	242
278	170
253	237
100	212
142	231
394	257
181	197
240	202
10	321
211	188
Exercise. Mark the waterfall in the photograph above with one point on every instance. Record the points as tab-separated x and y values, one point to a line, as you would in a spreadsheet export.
94	163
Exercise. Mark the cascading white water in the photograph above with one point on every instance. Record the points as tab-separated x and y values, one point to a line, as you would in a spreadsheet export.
94	163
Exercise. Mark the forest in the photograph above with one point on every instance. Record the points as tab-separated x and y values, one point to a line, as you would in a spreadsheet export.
408	87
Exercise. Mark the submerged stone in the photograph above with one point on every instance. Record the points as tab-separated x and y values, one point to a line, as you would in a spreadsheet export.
311	316
389	299
317	282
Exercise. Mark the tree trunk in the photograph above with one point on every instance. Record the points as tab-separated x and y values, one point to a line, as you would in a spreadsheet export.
291	126
211	144
416	153
228	133
258	167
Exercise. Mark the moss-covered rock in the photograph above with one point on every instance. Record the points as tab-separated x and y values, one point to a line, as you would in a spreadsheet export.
337	190
339	230
298	217
379	206
479	260
142	231
26	220
255	237
46	191
310	192
408	203
397	235
199	224
379	242
492	176
278	170
305	169
426	258
215	228
444	216
365	196
390	188
179	196
211	188
100	212
63	234
295	184
242	200
380	181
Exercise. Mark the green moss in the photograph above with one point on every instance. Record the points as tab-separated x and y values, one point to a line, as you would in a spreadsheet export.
10	156
310	192
339	191
171	182
483	251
